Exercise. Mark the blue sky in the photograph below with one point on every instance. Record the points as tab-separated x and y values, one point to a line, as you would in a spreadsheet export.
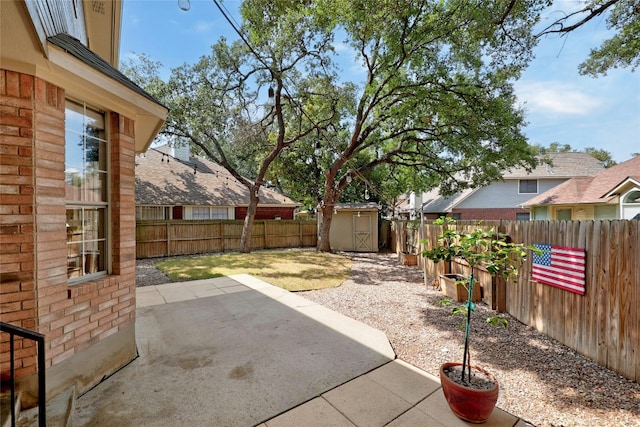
562	106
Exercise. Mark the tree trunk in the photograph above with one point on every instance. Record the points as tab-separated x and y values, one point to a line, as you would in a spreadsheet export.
331	196
247	228
324	244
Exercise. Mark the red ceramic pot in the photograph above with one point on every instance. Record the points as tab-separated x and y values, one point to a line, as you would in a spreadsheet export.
468	403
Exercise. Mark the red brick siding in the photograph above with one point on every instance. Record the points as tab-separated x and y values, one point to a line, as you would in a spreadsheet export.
33	264
489	214
266	212
17	220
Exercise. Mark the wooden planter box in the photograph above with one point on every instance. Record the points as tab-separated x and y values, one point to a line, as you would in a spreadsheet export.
457	291
408	259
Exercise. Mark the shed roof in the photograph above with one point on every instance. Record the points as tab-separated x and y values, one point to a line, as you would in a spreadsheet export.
366	206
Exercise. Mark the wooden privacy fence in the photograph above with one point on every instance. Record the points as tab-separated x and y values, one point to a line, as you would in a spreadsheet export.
180	237
603	324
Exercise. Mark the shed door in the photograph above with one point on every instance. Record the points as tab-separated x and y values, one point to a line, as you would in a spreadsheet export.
362	233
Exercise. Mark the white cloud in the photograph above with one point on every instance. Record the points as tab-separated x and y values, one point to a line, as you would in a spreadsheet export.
203	26
556	98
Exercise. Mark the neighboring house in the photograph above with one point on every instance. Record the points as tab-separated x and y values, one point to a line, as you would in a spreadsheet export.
70	126
503	199
170	184
614	193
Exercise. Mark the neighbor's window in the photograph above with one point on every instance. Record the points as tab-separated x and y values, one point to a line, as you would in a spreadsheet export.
86	179
522	216
564	214
157	213
200	213
528	186
219	213
207	212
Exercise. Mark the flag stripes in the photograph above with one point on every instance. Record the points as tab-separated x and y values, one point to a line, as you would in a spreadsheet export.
561	267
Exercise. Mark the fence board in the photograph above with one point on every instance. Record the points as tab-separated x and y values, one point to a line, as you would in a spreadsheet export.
602	296
604	324
592	277
168	238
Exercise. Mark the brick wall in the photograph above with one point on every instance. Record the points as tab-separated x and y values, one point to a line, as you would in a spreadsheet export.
266	212
33	264
17	220
489	214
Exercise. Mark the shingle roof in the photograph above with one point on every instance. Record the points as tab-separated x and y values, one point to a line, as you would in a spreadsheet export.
79	51
173	182
561	165
552	166
357	206
589	190
434	203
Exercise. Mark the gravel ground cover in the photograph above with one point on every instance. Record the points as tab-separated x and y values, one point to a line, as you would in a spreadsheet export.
541	381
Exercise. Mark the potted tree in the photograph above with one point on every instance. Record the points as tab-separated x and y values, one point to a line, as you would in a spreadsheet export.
409	255
471	391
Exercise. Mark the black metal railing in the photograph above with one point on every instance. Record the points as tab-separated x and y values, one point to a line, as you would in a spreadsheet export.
14	331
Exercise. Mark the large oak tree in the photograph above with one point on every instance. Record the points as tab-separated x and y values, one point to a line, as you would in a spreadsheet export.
433	92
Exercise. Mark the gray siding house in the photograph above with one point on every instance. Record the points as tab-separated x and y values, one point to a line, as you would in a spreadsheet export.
504	199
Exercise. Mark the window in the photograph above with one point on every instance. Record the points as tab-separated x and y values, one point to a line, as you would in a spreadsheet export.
632	197
522	216
219	213
528	186
157	213
207	212
563	214
200	213
86	180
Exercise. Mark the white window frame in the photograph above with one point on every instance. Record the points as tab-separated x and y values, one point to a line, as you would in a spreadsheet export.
88	208
520	181
208	213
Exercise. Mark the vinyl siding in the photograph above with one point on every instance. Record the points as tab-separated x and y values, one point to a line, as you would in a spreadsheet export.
504	194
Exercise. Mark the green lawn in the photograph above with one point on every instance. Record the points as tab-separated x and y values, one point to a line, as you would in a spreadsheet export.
293	270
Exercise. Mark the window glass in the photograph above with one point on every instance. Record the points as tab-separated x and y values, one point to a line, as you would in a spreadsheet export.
86	179
200	213
563	214
528	186
632	197
522	216
152	213
220	213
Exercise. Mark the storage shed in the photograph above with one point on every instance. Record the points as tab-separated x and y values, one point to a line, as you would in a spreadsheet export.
354	227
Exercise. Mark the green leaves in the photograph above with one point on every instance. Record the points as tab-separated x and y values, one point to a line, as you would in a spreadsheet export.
497	321
478	247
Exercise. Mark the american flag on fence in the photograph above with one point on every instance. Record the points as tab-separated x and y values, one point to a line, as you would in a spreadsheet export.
561	267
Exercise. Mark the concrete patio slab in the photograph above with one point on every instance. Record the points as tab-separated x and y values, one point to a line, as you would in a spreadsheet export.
254	354
365	402
235	359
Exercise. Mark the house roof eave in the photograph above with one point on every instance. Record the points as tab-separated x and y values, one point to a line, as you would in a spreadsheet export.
85	75
617	189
